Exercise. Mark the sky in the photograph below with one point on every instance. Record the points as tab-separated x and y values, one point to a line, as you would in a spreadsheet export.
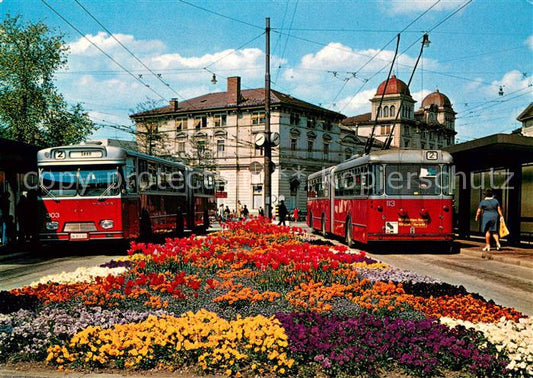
332	53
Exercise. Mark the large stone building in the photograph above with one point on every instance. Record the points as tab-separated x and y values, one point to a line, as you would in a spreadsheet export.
526	118
432	126
218	130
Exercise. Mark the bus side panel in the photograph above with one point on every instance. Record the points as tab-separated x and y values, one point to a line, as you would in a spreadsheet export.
318	208
339	218
131	212
358	210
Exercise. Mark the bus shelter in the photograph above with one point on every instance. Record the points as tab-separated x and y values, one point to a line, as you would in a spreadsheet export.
503	162
16	160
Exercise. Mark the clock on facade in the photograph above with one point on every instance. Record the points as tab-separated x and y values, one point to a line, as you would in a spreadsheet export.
275	139
260	139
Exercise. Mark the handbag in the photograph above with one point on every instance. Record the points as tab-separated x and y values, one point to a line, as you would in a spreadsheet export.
504	231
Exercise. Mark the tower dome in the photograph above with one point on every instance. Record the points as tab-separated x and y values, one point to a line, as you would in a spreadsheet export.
395	86
436	98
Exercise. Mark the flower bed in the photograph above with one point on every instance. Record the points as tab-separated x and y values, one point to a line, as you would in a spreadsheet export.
258	299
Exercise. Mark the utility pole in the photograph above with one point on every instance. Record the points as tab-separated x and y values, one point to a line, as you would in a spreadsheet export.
268	144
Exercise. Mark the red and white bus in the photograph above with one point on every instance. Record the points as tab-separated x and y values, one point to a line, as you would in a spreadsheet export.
95	192
391	195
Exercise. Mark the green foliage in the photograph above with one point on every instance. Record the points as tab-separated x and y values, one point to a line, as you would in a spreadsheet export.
31	109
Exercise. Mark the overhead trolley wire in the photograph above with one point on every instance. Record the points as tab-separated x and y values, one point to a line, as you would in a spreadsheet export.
102	51
221	15
157	76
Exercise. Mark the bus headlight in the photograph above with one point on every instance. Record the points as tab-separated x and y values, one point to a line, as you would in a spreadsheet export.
52	226
106	224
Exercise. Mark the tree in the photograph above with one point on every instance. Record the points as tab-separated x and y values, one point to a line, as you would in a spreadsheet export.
151	139
31	109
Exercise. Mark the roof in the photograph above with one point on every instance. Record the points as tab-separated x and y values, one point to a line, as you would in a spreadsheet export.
436	98
361	118
395	86
249	98
526	114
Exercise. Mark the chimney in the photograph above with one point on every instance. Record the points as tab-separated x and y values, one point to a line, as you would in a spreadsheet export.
234	90
174	104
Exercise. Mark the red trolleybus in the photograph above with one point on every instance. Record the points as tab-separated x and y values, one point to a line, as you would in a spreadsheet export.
95	192
391	195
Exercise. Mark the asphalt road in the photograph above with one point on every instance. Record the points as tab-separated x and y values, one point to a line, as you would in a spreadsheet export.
24	268
506	284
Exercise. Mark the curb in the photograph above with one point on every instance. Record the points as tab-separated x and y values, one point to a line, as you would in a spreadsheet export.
495	257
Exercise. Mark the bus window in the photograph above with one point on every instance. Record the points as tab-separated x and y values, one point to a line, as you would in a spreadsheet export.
144	177
446	180
152	176
412	179
376	186
130	179
177	180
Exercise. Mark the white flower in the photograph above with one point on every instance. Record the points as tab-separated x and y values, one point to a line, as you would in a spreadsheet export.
82	274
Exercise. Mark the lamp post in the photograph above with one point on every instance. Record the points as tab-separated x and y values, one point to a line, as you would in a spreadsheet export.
268	145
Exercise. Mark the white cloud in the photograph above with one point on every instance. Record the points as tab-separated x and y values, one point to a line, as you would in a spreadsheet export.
327	76
529	42
417	6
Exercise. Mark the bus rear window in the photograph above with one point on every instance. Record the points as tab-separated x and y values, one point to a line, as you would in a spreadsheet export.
412	179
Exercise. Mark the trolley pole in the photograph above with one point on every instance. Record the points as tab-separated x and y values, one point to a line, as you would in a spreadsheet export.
268	144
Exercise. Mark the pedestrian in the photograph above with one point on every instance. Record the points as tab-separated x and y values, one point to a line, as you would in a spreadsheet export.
22	211
11	229
245	212
227	213
5	210
282	213
261	211
490	211
221	213
295	214
238	210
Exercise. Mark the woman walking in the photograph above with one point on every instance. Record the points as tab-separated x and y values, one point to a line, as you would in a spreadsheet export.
490	210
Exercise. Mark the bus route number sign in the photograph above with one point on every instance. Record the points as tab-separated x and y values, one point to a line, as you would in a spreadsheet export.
432	155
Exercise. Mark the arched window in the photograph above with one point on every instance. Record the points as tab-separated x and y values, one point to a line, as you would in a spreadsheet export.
379	111
392	111
386	111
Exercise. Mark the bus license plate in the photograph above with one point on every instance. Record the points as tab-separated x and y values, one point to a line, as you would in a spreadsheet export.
79	236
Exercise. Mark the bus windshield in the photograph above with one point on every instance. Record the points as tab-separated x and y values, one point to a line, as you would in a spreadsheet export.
413	179
84	181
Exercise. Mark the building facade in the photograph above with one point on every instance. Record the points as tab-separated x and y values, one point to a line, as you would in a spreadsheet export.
526	119
217	131
430	127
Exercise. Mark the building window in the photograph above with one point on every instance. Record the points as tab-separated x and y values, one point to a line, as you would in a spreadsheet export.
327	126
219	120
294	142
181	124
200	122
181	147
258	118
392	111
379	112
348	153
310	144
295	119
220	148
386	111
311	122
326	150
385	129
406	143
258	151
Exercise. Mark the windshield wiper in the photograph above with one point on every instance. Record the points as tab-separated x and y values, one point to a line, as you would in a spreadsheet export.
48	193
107	190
